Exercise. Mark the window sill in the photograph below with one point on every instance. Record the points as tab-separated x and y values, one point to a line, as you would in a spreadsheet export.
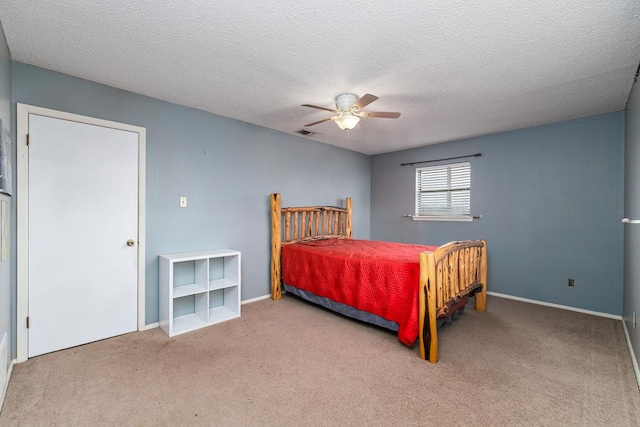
458	218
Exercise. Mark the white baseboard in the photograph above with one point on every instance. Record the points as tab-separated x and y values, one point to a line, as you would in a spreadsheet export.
563	307
3	392
151	326
631	353
249	301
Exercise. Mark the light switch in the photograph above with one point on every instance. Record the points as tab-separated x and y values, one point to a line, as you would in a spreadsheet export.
183	202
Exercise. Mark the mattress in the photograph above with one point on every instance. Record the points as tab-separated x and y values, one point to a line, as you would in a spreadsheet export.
376	277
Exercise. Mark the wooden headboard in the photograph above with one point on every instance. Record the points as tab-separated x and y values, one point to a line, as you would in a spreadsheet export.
300	224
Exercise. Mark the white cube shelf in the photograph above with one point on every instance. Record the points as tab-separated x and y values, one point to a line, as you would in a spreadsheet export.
198	289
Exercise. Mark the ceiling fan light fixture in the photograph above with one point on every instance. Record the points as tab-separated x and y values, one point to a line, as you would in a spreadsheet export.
347	121
348	111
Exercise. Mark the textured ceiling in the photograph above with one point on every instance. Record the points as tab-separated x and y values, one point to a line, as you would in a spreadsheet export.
453	69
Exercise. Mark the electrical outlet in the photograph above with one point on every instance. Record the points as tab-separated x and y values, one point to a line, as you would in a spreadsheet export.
183	202
571	282
635	318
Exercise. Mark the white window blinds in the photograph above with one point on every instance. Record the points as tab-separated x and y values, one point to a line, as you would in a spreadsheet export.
443	190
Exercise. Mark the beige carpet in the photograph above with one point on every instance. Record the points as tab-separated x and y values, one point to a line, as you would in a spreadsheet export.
289	363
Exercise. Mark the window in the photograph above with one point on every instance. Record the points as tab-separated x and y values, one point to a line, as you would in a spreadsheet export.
444	192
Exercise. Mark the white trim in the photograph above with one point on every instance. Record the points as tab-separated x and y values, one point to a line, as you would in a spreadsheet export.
22	203
151	326
550	304
3	392
634	361
142	237
459	218
256	299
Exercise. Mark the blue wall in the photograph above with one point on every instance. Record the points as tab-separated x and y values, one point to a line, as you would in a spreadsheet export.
551	196
551	199
226	168
5	266
632	210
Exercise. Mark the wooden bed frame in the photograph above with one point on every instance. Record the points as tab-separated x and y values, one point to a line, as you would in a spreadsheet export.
447	275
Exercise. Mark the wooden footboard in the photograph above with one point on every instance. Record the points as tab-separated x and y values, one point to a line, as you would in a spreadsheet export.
447	275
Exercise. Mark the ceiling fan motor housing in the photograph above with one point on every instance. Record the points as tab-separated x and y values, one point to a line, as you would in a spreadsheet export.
345	101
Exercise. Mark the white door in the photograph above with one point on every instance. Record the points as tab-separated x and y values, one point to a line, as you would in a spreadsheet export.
83	210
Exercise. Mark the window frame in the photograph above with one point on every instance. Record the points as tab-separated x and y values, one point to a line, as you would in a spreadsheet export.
466	217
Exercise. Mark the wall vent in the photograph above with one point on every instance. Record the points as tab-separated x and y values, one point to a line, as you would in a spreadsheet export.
305	132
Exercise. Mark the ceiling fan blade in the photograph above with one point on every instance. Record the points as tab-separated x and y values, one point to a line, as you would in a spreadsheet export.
319	121
381	114
319	108
365	100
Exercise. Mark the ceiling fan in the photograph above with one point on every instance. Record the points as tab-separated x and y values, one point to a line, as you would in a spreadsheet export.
349	111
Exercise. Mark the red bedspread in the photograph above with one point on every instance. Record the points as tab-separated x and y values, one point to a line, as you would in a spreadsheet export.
378	277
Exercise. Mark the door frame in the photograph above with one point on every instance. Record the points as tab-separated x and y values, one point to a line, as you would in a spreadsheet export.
22	216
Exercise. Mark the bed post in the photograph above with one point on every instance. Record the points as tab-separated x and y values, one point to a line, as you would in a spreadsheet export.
481	297
276	247
349	213
428	332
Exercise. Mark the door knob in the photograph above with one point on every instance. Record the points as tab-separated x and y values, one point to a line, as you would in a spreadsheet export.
131	242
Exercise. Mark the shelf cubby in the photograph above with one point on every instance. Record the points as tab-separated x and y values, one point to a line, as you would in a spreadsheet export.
198	289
